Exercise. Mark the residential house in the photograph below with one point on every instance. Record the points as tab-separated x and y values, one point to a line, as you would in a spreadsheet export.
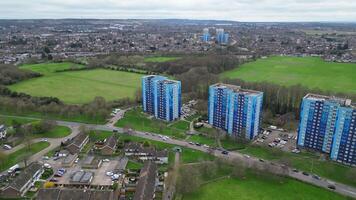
109	147
146	153
76	144
22	183
147	182
69	193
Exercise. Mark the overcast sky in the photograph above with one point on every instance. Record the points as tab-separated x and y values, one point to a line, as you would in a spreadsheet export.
238	10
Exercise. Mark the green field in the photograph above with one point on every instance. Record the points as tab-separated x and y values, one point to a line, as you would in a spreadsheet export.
19	155
254	187
9	120
56	132
139	121
160	59
311	72
78	87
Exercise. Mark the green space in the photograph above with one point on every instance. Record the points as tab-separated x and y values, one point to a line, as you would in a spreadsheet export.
56	132
306	162
8	121
27	115
134	165
49	68
78	87
254	186
21	154
160	59
312	72
138	120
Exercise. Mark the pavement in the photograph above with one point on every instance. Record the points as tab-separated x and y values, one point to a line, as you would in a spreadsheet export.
171	183
233	156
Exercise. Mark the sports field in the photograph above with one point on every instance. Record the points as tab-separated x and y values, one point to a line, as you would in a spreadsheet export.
78	87
312	72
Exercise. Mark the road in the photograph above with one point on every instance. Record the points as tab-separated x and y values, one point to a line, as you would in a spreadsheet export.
247	160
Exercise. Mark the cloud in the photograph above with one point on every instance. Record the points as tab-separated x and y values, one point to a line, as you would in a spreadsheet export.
239	10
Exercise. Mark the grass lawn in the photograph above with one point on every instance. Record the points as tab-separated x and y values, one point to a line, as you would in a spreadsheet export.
306	162
139	121
76	118
78	87
255	187
160	59
311	72
57	132
134	165
49	68
8	120
19	155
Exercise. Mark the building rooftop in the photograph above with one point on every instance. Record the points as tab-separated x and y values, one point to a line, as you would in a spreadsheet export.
342	101
111	142
169	81
82	177
67	193
236	88
145	188
25	176
78	140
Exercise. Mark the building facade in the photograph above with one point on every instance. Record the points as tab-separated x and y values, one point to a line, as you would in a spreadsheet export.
235	110
221	36
206	35
327	124
161	97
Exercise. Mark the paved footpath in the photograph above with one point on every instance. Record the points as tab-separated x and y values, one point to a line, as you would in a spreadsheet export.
233	156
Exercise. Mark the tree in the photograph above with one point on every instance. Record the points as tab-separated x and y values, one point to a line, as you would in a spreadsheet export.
239	169
2	158
146	144
188	180
48	184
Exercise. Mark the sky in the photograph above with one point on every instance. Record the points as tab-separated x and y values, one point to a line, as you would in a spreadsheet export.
236	10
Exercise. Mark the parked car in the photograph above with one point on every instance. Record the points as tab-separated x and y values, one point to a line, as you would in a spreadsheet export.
305	173
295	170
261	160
332	187
7	147
316	177
225	152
